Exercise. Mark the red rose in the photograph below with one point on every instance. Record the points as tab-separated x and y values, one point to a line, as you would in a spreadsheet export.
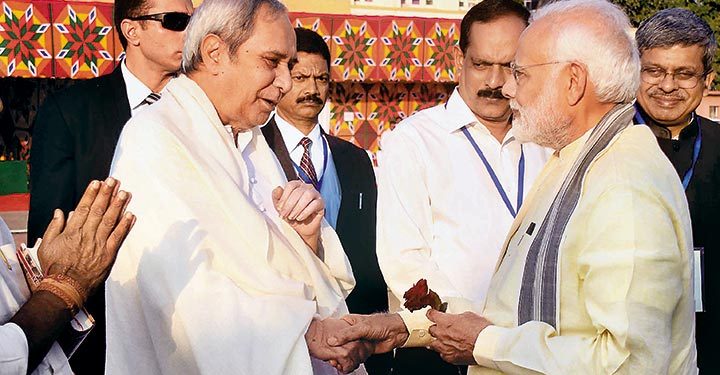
420	296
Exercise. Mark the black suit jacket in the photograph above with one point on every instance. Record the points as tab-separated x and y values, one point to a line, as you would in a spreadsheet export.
355	226
74	138
703	194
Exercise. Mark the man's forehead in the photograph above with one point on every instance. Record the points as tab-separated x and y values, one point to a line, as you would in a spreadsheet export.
174	5
494	41
272	38
532	48
677	55
310	61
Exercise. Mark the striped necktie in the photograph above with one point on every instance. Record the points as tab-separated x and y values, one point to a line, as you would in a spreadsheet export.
149	100
306	163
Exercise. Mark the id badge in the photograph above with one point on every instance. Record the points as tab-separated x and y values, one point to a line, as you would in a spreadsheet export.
698	277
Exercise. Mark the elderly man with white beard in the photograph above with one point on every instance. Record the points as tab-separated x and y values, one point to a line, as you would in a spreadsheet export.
594	276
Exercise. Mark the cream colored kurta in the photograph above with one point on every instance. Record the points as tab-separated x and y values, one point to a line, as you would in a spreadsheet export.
211	280
625	298
626	303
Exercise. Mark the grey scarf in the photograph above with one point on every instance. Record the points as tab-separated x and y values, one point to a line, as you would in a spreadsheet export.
538	294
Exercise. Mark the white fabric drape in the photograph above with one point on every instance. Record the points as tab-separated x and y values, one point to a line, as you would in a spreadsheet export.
210	280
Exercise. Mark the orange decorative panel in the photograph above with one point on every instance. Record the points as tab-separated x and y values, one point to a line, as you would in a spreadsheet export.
83	40
25	40
401	47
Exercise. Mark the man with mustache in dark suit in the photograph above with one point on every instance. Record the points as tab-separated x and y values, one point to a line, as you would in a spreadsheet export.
339	170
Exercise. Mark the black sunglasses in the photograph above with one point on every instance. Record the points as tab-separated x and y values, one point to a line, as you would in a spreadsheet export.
175	21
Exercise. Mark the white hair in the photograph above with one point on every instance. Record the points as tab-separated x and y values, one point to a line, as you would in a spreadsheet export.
602	42
231	20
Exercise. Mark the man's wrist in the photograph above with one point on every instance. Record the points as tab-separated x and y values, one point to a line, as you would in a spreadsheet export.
42	318
65	289
399	329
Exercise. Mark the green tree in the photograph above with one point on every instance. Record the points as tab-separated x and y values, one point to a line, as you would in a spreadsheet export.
709	10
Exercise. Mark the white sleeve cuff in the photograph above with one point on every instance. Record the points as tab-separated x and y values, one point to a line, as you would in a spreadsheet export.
14	350
486	344
417	325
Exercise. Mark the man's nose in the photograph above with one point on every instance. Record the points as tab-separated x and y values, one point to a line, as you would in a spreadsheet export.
509	88
668	83
283	80
312	86
496	77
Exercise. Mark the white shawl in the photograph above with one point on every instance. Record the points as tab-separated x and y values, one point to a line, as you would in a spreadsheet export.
206	282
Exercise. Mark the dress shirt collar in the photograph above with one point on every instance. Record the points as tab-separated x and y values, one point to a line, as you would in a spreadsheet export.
243	138
688	131
458	114
136	90
292	136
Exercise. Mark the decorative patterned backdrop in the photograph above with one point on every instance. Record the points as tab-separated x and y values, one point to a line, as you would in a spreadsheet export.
384	68
77	39
374	49
361	112
56	39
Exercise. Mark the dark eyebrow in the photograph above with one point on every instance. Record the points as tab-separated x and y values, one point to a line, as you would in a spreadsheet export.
480	61
680	68
485	62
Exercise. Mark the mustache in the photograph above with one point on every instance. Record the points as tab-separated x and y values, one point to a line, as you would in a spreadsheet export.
657	93
313	98
491	93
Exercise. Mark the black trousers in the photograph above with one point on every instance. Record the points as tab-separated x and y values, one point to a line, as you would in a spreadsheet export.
421	361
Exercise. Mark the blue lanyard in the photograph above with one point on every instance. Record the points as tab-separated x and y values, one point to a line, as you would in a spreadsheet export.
696	149
496	181
307	178
696	155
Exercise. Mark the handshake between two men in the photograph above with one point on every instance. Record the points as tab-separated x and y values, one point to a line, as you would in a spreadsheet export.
347	342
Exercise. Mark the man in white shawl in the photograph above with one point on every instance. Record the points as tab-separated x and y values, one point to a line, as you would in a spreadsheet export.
230	268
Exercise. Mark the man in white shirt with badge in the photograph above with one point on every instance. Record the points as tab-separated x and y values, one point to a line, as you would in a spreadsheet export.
453	177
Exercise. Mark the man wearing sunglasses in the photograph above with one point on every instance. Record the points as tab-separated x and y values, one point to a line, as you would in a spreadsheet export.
76	131
676	52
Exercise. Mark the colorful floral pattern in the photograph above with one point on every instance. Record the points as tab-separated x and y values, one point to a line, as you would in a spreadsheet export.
83	41
24	38
354	49
441	37
401	45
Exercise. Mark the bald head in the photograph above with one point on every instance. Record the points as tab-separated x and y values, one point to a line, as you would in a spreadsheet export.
595	33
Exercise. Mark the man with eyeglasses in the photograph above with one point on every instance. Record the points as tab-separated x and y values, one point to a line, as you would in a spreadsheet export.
677	49
76	130
594	276
453	177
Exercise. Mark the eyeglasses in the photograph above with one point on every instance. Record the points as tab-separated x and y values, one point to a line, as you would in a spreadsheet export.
518	71
684	79
175	21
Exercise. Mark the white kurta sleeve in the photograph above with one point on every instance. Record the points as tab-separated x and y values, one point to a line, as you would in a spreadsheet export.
405	222
189	293
632	263
13	350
